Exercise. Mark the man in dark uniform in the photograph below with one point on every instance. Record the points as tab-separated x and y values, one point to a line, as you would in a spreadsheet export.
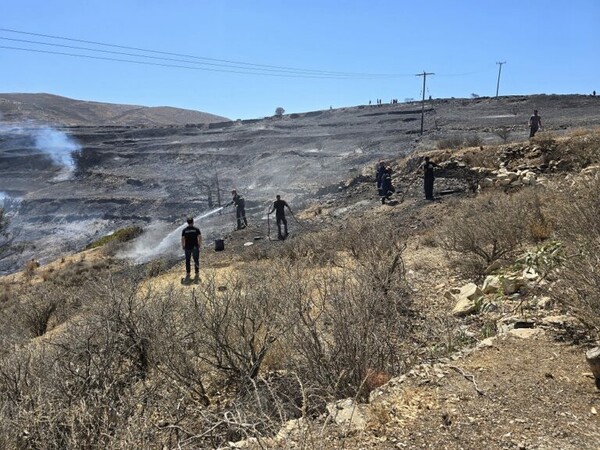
379	174
279	208
191	242
240	209
386	189
428	176
535	123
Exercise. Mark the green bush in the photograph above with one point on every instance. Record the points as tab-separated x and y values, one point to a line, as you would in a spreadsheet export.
121	235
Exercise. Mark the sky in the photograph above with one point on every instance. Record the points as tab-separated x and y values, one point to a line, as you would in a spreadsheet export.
243	59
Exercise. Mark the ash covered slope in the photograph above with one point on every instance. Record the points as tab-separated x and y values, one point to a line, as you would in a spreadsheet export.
125	175
53	109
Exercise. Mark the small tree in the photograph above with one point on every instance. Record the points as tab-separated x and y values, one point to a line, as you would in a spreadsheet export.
503	133
279	111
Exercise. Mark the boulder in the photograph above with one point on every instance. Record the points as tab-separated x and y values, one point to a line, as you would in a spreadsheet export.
593	358
349	414
506	284
468	299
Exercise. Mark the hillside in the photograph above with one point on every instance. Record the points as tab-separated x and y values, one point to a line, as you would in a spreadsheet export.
121	176
63	111
353	333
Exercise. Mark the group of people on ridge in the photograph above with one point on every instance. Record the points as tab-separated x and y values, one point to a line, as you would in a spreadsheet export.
385	187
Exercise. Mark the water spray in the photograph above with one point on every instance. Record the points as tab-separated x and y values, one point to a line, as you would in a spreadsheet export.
145	251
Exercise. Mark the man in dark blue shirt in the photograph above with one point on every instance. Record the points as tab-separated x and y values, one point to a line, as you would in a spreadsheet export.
428	177
279	208
191	242
240	209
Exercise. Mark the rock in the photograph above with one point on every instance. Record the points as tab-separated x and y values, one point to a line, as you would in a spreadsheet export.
529	274
290	428
544	303
487	343
349	414
590	171
506	284
486	183
468	300
560	321
593	358
526	333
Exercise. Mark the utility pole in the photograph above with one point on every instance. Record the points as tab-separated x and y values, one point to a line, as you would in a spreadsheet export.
424	75
499	72
218	188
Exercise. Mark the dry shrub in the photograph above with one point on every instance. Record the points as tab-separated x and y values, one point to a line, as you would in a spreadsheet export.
489	228
574	153
579	229
486	157
503	133
452	142
30	268
196	368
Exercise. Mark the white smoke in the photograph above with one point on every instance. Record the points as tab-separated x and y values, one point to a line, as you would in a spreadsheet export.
57	144
54	143
153	243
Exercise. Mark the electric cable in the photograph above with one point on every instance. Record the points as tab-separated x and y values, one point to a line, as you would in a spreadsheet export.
237	63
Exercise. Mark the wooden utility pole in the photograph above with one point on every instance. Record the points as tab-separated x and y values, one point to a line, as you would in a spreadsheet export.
424	75
499	72
218	188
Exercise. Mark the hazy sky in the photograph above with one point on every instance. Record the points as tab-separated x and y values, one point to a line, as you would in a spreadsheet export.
320	53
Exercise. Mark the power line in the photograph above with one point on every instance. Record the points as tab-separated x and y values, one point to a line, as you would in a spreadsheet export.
160	58
237	63
178	66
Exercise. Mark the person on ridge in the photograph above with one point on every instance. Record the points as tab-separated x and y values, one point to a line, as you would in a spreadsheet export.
379	174
535	123
387	189
191	242
240	209
428	177
279	208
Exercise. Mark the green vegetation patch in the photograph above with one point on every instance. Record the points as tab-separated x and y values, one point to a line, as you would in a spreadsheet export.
121	235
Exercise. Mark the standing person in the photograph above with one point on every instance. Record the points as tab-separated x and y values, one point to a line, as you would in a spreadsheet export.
387	189
240	209
535	123
191	242
428	177
379	174
279	208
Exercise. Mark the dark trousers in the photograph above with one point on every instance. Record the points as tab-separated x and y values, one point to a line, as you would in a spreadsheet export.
532	131
240	215
281	220
195	253
429	188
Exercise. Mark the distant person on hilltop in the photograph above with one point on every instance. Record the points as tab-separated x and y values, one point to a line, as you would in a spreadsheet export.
535	123
240	209
191	242
279	208
428	177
